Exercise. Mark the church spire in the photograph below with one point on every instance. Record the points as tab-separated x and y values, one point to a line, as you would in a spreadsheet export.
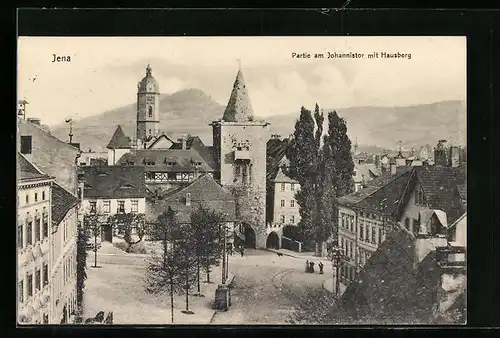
238	108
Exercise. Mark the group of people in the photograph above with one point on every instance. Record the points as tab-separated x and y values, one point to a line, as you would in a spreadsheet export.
310	267
240	249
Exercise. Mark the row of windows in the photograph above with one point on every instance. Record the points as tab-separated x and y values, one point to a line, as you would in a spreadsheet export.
106	206
283	203
364	256
348	247
63	275
347	222
36	197
291	219
368	236
290	185
33	283
347	273
412	225
32	231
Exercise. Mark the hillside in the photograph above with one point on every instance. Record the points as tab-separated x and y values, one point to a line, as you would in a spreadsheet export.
191	111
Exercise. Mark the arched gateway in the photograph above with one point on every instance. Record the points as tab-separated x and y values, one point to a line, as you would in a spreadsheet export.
273	241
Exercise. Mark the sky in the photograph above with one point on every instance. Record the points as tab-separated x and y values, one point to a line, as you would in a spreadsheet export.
104	71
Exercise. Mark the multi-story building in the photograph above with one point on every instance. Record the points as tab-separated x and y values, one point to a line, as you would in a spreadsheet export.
285	207
33	243
110	190
53	157
63	254
366	216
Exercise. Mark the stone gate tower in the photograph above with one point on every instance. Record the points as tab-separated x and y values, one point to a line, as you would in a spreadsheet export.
240	150
148	107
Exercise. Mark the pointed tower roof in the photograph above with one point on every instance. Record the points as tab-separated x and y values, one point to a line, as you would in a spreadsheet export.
238	108
119	140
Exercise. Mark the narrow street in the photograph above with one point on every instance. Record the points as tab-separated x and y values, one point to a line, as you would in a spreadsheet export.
267	287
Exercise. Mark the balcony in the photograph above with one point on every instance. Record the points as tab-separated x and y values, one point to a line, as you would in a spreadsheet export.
243	155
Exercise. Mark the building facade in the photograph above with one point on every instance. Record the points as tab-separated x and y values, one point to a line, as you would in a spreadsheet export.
109	190
33	244
63	254
367	216
285	207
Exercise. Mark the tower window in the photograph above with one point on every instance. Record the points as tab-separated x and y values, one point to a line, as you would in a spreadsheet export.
150	112
149	131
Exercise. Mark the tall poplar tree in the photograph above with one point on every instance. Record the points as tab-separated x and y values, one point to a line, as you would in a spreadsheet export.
337	170
302	156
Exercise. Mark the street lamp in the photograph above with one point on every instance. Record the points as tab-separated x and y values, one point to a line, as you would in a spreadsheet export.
336	255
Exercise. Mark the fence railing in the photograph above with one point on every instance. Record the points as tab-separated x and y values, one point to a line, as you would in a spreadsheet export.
290	244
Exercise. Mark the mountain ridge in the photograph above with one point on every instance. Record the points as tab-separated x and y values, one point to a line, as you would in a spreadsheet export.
192	110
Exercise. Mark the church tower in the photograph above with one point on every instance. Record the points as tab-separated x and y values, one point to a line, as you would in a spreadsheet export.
148	107
240	150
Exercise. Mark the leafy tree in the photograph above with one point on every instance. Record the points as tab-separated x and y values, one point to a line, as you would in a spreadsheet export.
126	223
81	263
206	224
163	271
92	224
171	270
302	154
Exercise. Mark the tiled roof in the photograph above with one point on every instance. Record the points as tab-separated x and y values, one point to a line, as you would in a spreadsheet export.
365	171
62	202
203	191
184	160
119	140
114	182
382	193
389	290
440	187
282	178
238	108
158	139
27	170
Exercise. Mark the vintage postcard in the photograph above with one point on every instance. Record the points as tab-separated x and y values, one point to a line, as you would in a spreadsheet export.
241	180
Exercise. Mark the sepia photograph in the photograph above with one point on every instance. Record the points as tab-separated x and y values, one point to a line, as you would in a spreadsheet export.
242	180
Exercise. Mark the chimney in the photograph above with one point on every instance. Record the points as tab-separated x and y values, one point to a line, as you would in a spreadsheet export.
34	120
393	169
184	140
188	199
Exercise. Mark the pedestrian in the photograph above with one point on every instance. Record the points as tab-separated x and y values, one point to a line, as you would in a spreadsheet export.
242	251
312	267
307	266
320	268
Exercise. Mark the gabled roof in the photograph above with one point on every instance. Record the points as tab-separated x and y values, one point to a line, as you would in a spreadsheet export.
238	108
365	172
440	187
158	160
389	290
119	140
62	202
112	182
159	138
27	170
203	191
382	194
281	177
